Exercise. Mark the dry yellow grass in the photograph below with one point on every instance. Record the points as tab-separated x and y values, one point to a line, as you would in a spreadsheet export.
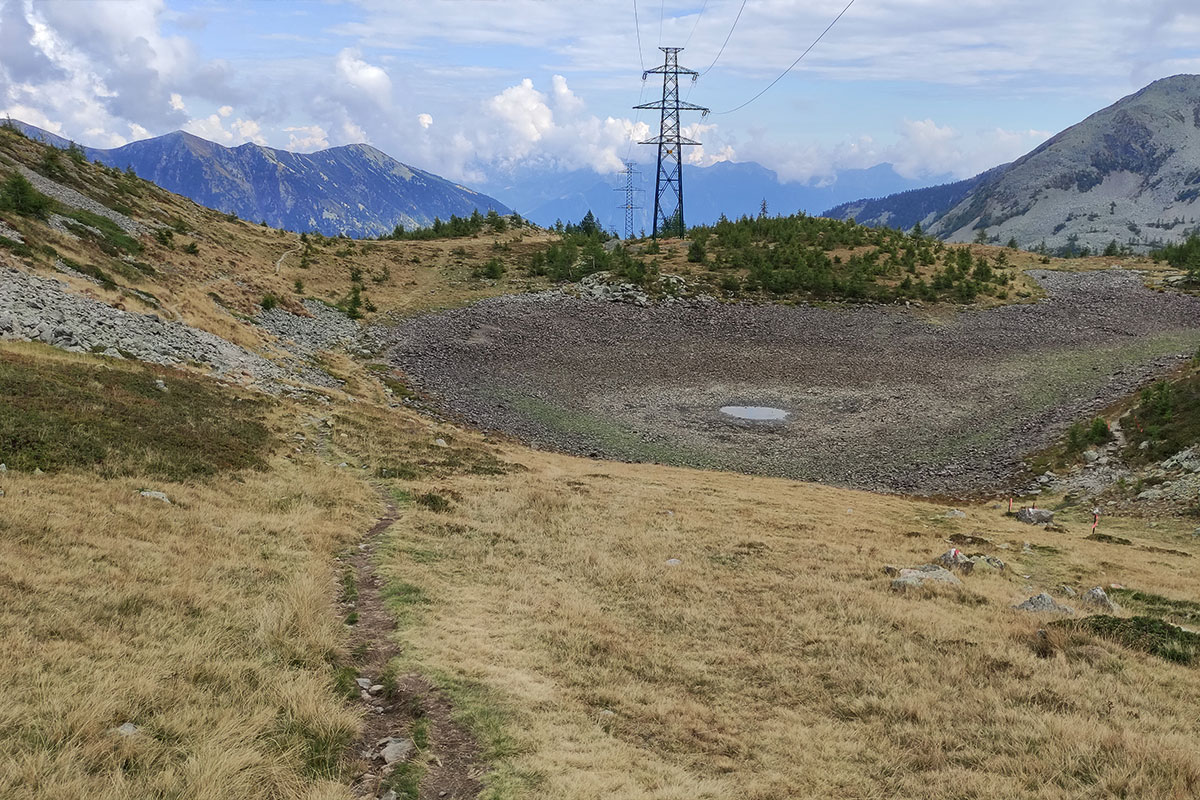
208	623
774	661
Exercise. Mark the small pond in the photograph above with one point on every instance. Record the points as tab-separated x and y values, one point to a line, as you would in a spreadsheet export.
755	413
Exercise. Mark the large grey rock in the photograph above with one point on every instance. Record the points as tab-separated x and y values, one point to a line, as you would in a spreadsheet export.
981	562
1035	516
925	575
954	559
127	729
394	750
1044	604
1098	599
153	495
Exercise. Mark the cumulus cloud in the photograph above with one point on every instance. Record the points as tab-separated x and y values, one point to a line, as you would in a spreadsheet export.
111	70
921	149
306	138
213	128
372	81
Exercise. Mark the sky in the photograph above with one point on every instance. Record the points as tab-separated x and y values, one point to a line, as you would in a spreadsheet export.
477	90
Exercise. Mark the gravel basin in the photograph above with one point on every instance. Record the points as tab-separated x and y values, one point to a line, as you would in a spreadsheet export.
875	397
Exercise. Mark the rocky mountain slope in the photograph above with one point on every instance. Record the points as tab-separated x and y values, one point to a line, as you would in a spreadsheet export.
354	189
1129	173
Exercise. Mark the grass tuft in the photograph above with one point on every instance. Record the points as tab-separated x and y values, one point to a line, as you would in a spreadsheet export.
1148	634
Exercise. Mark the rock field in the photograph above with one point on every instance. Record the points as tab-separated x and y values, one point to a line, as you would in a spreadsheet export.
33	308
877	397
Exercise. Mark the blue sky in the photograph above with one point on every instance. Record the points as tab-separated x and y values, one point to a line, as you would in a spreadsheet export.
475	89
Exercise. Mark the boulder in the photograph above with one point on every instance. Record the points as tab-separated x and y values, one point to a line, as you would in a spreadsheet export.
127	729
1098	599
924	575
954	513
968	539
160	496
984	562
1044	604
954	559
1035	516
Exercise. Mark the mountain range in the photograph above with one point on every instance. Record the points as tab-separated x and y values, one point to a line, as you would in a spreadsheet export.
727	187
354	189
360	191
1129	174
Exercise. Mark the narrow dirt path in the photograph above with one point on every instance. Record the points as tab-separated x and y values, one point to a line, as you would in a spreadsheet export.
449	766
295	249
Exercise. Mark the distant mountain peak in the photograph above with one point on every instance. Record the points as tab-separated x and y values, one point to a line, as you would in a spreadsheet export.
1129	173
354	189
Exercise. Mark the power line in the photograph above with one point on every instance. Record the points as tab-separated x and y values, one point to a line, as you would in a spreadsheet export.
731	27
698	16
637	27
793	64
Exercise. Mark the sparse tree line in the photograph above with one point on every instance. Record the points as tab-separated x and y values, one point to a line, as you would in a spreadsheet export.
1183	255
795	256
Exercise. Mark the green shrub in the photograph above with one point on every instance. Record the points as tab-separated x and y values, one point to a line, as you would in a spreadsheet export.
434	502
269	301
17	194
1148	634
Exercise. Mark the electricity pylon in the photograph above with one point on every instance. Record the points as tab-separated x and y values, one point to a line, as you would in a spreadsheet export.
668	183
630	204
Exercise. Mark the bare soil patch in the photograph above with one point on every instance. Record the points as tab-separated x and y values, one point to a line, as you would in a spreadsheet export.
450	766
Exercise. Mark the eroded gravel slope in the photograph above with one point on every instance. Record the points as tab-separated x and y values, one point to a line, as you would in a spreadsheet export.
877	397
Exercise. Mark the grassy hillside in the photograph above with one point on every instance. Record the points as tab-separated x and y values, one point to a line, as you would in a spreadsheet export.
206	622
596	629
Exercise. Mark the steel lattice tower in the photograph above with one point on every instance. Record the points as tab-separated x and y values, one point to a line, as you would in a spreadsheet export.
668	218
630	191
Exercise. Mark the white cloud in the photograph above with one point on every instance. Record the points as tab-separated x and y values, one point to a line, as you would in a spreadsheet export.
248	130
213	128
306	138
372	81
209	128
177	102
225	111
921	149
424	120
523	110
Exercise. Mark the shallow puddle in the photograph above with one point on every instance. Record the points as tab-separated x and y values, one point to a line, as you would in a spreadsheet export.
756	413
